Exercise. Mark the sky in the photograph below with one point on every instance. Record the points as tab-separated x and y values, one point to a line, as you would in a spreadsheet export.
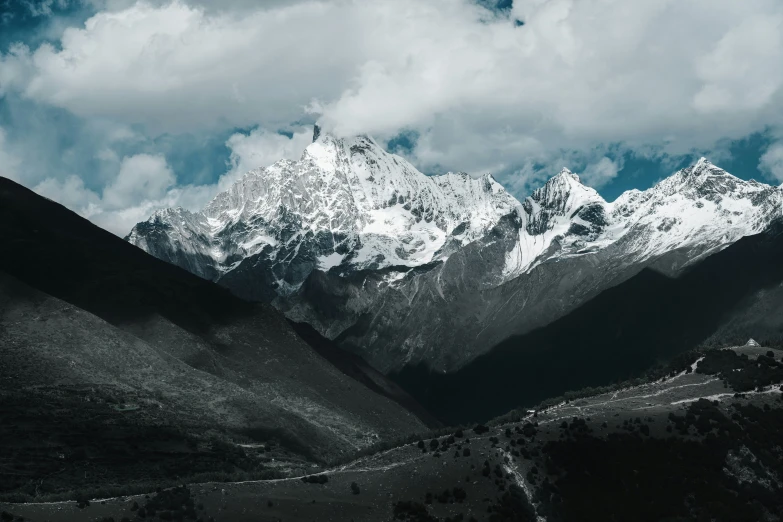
116	108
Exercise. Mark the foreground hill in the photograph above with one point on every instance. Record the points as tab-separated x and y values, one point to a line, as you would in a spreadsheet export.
120	369
701	443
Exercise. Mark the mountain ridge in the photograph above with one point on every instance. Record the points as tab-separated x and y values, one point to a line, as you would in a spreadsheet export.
647	319
357	243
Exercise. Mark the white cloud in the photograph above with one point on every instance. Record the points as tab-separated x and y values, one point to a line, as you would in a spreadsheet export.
143	184
15	68
141	177
771	162
175	68
70	192
484	95
121	220
739	73
261	148
576	72
601	172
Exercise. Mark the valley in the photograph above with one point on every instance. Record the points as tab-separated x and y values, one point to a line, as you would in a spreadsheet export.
542	465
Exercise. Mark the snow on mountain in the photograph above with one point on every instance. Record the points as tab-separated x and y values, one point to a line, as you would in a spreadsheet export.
346	203
561	207
701	205
440	268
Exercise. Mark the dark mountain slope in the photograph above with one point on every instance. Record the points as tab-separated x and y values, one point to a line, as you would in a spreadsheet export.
58	252
355	367
66	256
89	322
619	334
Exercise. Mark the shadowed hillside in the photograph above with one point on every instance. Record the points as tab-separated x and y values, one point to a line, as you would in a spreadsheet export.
617	335
120	369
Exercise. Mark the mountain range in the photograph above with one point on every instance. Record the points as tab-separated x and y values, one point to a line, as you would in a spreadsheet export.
407	269
124	375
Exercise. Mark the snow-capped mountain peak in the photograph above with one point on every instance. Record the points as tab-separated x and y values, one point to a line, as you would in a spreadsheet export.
347	202
566	174
701	206
553	205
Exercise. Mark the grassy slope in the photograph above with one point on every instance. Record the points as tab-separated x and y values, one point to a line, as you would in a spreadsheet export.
650	452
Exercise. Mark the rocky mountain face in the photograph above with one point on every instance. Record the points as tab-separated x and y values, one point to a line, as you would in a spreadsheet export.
404	268
623	332
346	205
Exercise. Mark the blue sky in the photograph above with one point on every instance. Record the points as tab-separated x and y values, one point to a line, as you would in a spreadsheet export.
118	107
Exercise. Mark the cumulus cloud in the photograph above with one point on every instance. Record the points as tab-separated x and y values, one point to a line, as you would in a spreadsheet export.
738	73
144	183
175	68
598	66
121	220
261	148
70	192
141	177
480	92
576	73
771	162
600	173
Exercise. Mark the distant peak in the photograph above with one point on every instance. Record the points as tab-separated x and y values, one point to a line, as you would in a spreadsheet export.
358	141
565	176
323	136
703	165
704	171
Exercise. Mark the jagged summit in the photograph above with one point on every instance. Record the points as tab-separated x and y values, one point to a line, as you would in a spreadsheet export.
346	203
704	169
566	174
703	164
564	190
